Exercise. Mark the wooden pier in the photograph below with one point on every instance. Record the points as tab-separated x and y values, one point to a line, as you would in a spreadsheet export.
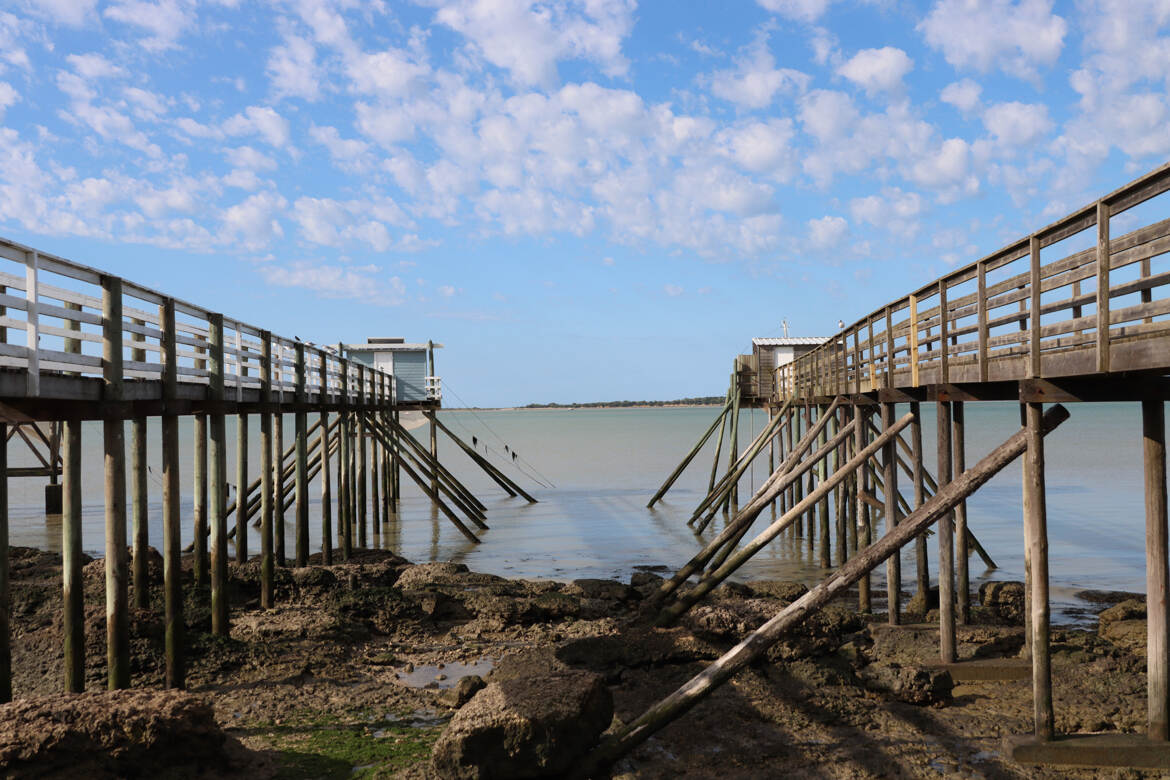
1078	311
79	344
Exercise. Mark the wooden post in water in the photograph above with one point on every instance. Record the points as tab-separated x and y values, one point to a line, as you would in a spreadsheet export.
890	488
114	445
218	452
1157	577
301	422
360	434
5	585
326	488
72	586
962	575
922	559
1037	520
176	674
433	430
268	487
946	548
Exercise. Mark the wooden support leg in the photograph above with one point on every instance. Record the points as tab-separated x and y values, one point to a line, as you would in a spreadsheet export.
362	502
241	488
865	530
5	586
268	498
375	491
1157	617
1027	502
72	586
890	482
117	592
141	513
962	574
1037	520
922	560
1156	574
346	514
278	458
172	566
217	425
200	562
326	495
302	488
946	549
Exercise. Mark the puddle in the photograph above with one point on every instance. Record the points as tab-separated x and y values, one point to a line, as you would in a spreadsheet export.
443	676
419	719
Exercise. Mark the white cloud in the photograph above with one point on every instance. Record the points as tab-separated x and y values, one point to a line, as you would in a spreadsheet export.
528	40
390	73
351	282
827	232
262	121
292	69
800	10
755	80
1017	37
763	147
248	158
947	170
94	66
164	21
1017	124
8	97
963	95
446	290
71	13
673	290
254	223
894	210
877	70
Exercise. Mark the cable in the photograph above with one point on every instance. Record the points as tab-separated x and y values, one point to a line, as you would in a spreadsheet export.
517	460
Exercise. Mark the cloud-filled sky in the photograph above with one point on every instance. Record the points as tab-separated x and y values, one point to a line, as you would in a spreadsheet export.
582	199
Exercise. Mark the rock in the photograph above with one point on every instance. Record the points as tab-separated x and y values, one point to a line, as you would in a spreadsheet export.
645	581
763	589
1004	600
604	590
423	574
314	579
1107	596
1130	609
1130	634
910	684
114	734
524	728
463	691
922	603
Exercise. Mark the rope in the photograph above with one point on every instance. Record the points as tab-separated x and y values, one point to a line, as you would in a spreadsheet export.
517	460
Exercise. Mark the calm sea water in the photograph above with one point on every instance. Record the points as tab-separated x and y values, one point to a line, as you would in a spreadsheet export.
604	464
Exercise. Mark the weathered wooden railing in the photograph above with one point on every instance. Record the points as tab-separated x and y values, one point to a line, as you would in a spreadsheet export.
76	321
1015	314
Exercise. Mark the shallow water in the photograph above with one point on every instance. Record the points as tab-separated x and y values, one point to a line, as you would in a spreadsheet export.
606	463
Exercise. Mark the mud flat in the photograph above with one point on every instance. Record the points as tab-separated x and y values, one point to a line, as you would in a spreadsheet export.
381	668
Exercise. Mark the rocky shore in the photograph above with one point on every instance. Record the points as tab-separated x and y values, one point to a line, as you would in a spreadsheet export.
381	668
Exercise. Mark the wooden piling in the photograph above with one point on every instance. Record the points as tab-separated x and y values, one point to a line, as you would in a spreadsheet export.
73	588
865	526
719	420
1037	521
301	423
217	426
922	559
1157	576
176	675
199	559
946	548
268	486
279	455
890	489
114	447
345	512
5	573
362	445
141	520
326	488
962	575
241	487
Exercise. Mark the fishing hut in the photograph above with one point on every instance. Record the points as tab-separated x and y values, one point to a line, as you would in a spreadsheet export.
1075	312
79	344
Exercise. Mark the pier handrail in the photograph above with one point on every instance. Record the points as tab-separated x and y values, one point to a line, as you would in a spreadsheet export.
60	307
993	319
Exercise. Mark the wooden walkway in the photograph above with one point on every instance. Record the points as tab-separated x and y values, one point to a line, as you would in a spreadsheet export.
1023	323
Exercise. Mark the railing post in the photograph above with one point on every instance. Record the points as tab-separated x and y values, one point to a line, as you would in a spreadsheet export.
944	348
981	308
172	567
1103	261
302	457
1034	318
114	444
914	340
32	327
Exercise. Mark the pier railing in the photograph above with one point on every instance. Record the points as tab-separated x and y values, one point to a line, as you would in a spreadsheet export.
62	319
1100	306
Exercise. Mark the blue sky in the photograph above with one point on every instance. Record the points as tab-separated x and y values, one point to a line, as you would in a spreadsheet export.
583	199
